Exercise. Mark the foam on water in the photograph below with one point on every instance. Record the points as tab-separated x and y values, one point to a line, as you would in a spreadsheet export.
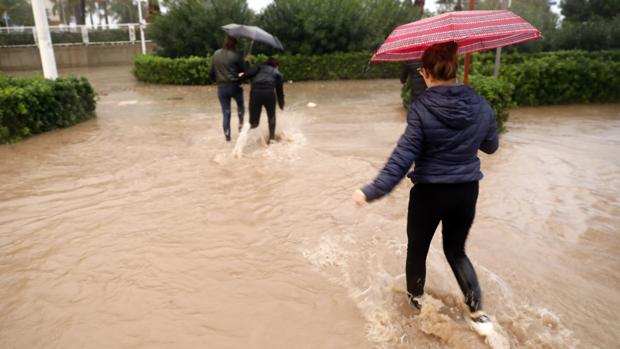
242	140
289	139
392	323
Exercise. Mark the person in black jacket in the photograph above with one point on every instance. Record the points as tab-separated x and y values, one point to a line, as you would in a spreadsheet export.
446	126
410	72
266	89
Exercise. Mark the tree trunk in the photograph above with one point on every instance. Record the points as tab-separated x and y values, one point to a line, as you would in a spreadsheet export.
459	5
105	14
63	16
418	9
81	12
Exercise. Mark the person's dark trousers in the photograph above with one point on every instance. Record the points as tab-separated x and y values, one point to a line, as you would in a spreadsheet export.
454	205
258	99
225	93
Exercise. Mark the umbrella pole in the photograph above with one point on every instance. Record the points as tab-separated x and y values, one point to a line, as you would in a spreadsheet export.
466	78
251	44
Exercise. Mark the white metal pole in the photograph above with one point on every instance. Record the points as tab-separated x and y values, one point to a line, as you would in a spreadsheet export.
141	27
498	55
48	61
498	52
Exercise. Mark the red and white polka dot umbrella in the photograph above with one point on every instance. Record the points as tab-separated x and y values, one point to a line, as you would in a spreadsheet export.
472	30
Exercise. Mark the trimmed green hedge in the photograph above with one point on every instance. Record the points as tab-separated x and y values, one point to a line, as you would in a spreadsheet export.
13	39
175	71
194	70
66	37
558	80
31	106
488	57
336	66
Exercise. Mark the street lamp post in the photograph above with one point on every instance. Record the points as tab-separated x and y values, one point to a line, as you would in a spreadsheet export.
48	61
141	26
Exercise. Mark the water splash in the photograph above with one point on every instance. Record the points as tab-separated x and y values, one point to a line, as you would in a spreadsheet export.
242	141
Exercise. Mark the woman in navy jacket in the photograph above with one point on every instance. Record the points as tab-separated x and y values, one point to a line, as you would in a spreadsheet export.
446	126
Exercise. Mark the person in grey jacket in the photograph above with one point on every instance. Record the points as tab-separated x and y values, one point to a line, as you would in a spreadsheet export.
266	89
446	126
226	66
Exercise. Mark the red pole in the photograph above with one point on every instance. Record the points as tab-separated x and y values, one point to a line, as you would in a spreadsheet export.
466	78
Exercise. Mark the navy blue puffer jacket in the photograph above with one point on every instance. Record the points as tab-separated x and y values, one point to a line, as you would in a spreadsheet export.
446	126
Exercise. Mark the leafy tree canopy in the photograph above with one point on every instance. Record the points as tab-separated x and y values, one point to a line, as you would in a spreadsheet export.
19	12
584	10
325	26
192	27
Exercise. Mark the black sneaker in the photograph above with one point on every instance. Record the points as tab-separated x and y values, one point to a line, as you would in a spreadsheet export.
481	323
415	302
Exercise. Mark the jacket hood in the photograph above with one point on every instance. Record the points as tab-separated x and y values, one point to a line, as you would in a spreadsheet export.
455	105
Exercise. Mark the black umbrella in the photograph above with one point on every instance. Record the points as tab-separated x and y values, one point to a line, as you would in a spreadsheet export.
253	33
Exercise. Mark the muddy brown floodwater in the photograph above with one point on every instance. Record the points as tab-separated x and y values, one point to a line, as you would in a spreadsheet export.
139	229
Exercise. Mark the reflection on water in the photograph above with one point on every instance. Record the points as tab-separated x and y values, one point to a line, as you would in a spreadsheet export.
140	229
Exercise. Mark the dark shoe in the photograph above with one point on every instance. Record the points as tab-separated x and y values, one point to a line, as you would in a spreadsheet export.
481	323
415	302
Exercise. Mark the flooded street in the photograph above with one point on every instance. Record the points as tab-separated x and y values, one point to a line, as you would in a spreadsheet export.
139	229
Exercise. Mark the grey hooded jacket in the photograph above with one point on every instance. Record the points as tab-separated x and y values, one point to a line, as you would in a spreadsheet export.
226	66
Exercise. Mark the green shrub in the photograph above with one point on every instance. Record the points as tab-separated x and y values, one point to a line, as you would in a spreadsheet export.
554	79
562	77
31	106
484	63
16	38
65	37
176	71
26	38
192	27
337	66
109	35
497	92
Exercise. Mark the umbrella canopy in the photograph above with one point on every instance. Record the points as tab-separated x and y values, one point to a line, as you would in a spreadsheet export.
472	30
253	33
